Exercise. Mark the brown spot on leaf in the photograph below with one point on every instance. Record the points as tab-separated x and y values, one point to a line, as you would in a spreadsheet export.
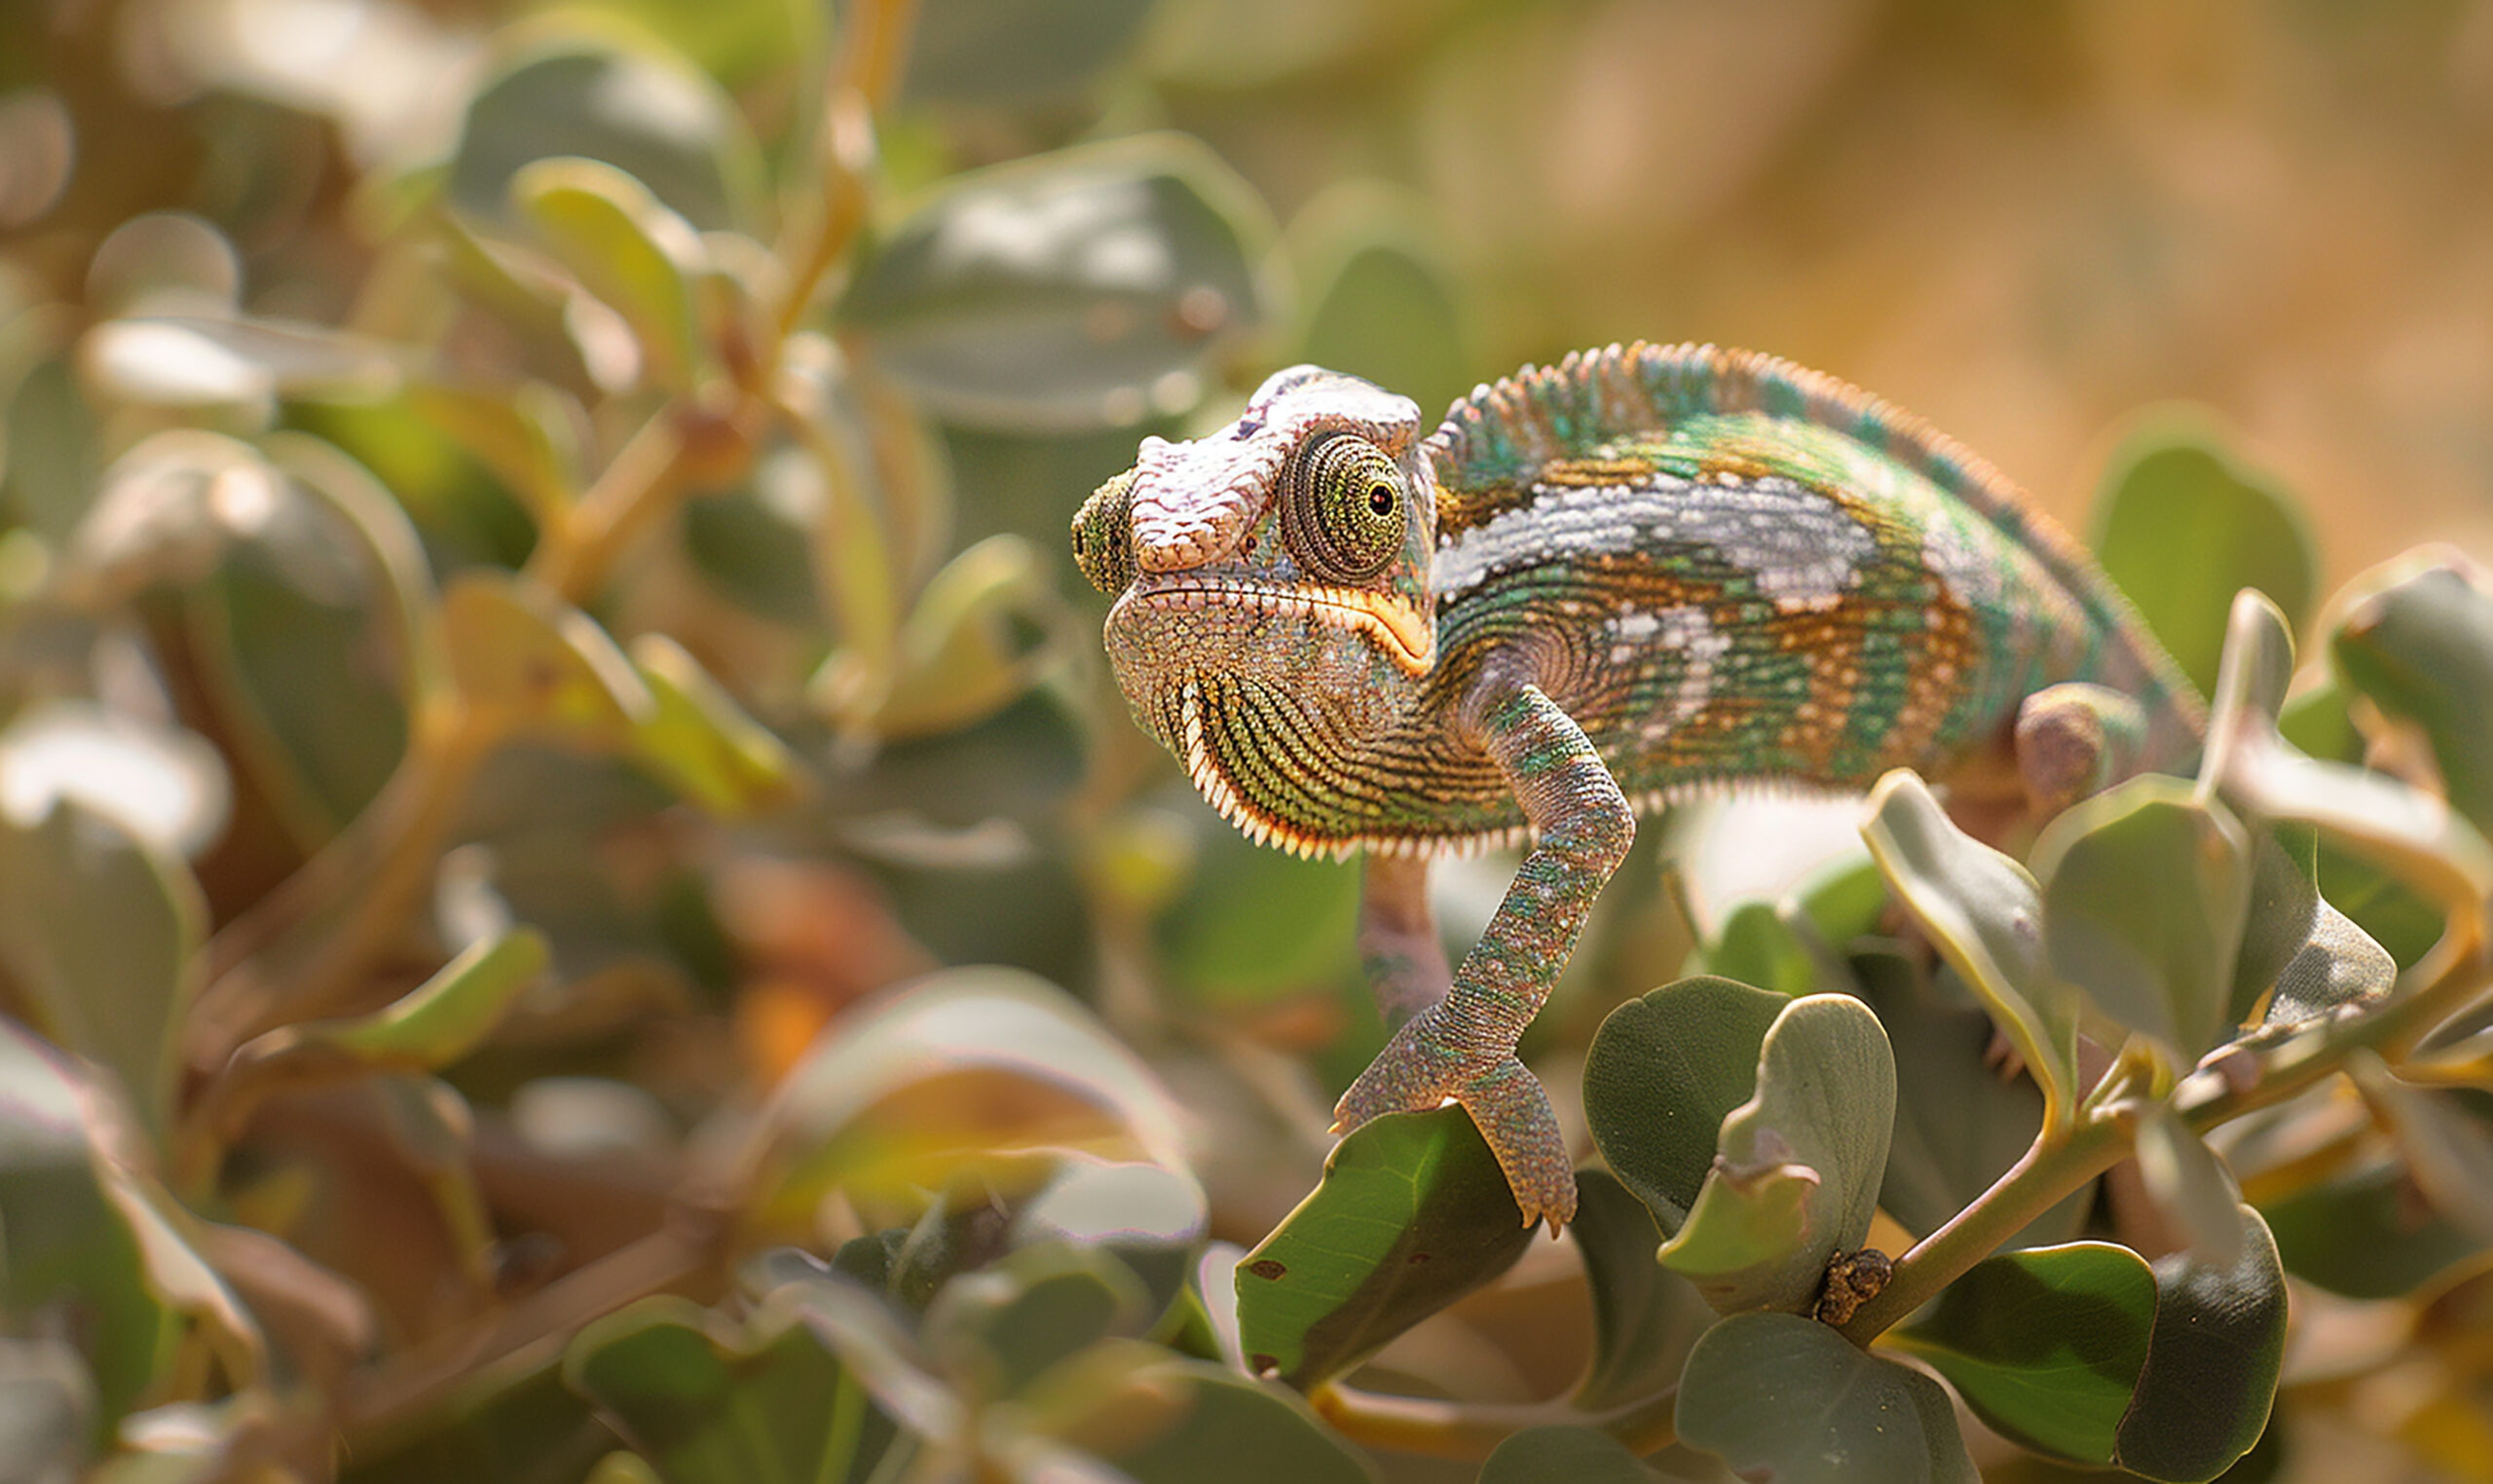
1416	1258
1265	1267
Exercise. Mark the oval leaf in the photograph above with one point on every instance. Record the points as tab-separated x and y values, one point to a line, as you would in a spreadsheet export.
1412	1214
2212	1364
2146	890
1787	1399
2182	525
1797	1177
1983	914
2417	641
2045	1345
529	666
625	247
1578	1455
1082	288
1645	1316
1662	1073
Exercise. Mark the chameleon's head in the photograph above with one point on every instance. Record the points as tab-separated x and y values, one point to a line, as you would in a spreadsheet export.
1273	608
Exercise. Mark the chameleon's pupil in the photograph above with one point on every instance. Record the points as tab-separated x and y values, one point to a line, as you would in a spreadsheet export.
1380	498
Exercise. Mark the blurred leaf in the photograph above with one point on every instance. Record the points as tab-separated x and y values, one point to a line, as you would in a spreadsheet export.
2212	1364
2416	641
998	1328
2403	921
992	52
2447	1137
1796	1178
1412	1214
1984	914
1149	1216
1785	1398
2367	1234
165	785
2182	525
2315	720
1662	1073
2145	891
430	1027
1762	944
2046	1345
2284	908
1960	1124
2190	1187
70	1246
46	1410
973	642
643	110
707	1405
702	742
625	247
1556	1451
99	932
515	1422
53	446
1645	1316
521	436
754	549
529	666
1083	288
958	1068
176	361
1383	302
1157	1419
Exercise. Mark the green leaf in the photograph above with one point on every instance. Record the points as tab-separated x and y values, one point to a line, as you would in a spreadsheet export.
2367	1234
2282	913
2338	964
1162	1420
625	247
430	1026
2191	1188
54	459
1661	1076
1083	288
99	932
708	1405
71	1249
1645	1316
992	52
1761	944
2046	1345
1383	302
529	666
1412	1214
1150	1217
2416	640
1787	1399
954	1071
1797	1177
2145	891
702	742
1983	914
999	1328
2182	525
643	110
976	639
524	436
1557	1450
1960	1122
2212	1364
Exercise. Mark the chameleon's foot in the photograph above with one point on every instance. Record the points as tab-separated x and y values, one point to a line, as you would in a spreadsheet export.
1513	1113
1411	1075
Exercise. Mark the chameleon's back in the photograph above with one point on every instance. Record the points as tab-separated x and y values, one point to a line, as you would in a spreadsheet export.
1728	567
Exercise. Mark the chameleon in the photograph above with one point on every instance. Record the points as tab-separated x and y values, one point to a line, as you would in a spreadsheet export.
1597	587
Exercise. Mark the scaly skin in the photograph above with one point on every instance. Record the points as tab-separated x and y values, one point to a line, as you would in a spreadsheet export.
1597	587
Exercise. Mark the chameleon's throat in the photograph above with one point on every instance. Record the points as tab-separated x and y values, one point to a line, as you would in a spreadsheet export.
1406	636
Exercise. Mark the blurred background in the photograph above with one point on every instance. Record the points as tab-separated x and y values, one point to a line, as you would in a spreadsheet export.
631	476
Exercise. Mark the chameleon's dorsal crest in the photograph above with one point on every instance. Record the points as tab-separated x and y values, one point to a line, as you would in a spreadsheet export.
1193	501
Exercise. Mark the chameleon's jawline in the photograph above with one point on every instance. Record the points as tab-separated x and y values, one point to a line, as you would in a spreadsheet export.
1408	640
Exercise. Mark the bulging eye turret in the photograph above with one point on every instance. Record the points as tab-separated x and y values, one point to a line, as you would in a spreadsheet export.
1344	515
1103	536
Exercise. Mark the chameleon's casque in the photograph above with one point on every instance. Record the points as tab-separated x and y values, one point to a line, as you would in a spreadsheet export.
1594	587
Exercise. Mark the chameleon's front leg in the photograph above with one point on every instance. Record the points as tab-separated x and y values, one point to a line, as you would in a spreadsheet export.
1464	1048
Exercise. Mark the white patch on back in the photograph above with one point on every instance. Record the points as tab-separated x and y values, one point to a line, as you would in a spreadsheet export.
1803	550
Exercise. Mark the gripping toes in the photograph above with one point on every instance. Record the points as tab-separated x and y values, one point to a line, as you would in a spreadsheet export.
1513	1115
1412	1074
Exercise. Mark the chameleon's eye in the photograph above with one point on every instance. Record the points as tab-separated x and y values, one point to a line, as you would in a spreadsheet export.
1345	516
1103	536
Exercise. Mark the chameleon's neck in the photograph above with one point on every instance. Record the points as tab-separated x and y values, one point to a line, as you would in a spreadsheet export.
1523	421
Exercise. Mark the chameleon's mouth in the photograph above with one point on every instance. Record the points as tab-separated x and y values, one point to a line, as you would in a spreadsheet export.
1406	636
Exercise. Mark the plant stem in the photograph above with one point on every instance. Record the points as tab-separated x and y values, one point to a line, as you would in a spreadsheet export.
576	550
2049	1170
1453	1430
862	78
